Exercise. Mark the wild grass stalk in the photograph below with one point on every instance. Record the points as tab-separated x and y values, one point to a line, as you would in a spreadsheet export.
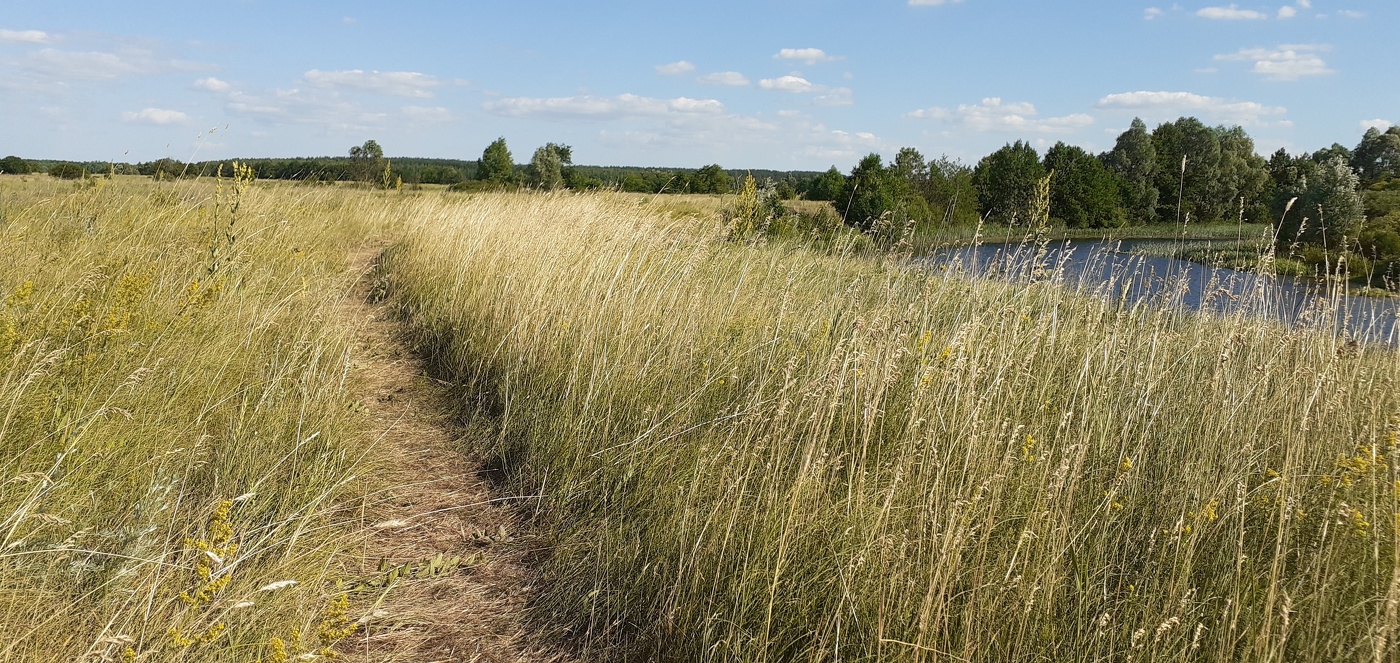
174	437
765	453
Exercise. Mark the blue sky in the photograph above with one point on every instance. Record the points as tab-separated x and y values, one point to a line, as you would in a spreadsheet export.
787	84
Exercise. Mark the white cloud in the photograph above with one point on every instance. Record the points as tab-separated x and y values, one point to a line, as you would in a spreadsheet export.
838	96
1349	13
1170	105
1287	11
1287	62
807	55
931	3
25	36
992	115
212	84
1378	124
1305	4
1152	13
155	116
601	108
727	78
674	68
427	115
92	66
394	83
794	84
1231	13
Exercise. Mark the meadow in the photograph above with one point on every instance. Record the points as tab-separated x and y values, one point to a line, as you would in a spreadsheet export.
739	450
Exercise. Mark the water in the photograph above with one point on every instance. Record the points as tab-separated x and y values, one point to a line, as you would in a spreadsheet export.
1116	270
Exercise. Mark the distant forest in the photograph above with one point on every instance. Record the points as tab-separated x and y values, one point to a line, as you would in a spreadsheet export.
1180	172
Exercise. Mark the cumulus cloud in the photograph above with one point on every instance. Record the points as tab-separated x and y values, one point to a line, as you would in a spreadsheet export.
155	116
1288	62
1377	124
25	36
675	68
1152	13
806	55
394	83
794	84
727	78
212	84
994	115
93	65
1174	104
601	108
1231	13
1287	11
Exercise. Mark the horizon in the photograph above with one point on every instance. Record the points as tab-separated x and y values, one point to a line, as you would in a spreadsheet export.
783	86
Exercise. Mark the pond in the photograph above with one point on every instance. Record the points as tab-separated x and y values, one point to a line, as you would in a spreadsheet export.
1118	269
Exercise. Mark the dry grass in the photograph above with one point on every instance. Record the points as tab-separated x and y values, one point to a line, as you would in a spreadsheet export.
175	437
767	454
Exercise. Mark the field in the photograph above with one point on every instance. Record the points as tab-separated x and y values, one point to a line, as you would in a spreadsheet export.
732	451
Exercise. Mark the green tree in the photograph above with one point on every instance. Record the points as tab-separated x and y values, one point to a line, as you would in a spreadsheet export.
1083	192
1188	171
367	161
546	171
711	179
14	165
1328	208
1134	160
827	186
1006	182
497	166
67	171
1376	157
869	193
951	192
1244	175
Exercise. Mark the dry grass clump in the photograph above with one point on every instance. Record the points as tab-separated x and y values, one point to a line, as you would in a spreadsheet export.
176	451
762	453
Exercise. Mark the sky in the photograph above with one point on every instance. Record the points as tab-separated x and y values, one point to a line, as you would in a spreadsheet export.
783	84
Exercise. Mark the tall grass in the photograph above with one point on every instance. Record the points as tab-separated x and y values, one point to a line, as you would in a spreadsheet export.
762	453
175	442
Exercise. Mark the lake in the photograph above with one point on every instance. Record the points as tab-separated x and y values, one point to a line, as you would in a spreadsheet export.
1117	269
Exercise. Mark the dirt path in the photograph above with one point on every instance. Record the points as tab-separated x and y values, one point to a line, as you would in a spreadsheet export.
440	512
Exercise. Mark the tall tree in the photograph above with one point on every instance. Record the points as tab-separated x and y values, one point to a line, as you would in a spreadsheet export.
1134	159
951	192
497	165
1377	156
1006	182
546	170
871	191
1191	188
1244	175
1083	192
711	179
1328	208
367	161
826	186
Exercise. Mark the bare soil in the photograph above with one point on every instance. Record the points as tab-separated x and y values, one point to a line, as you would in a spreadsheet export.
438	506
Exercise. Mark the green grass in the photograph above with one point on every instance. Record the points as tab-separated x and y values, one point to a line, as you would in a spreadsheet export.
765	453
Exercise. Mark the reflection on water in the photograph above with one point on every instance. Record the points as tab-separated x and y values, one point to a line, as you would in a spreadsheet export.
1115	270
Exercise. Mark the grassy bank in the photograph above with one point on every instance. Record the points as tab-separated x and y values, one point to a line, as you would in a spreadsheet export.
179	467
768	454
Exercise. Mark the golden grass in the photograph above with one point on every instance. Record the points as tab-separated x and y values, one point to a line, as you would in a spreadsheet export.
175	441
769	454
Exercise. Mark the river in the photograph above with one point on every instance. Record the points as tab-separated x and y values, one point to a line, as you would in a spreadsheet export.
1117	269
